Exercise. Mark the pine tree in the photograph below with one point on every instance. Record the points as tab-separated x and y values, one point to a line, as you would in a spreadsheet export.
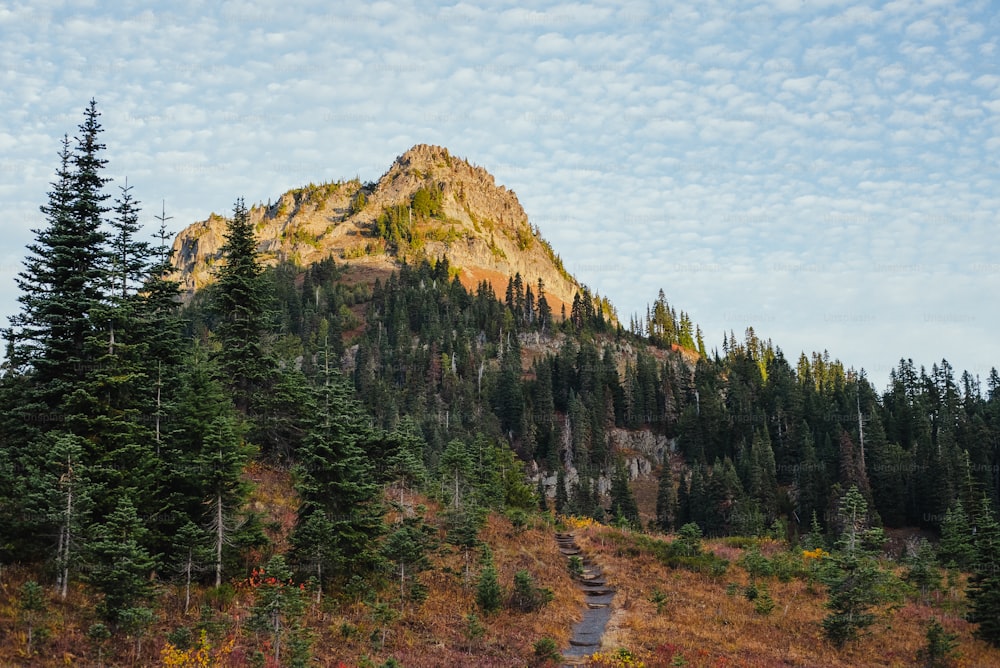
489	596
854	579
623	504
956	546
65	275
241	301
334	478
120	566
221	462
666	499
984	585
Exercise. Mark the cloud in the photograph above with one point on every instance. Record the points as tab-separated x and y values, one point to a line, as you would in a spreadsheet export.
758	161
924	29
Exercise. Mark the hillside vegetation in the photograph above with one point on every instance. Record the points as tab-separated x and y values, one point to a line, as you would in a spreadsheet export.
307	463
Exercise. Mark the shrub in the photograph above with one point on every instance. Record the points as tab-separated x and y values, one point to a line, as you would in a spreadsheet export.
527	597
941	648
488	594
763	604
659	599
546	651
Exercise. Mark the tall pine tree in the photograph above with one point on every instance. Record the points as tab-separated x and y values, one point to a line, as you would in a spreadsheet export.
339	516
241	302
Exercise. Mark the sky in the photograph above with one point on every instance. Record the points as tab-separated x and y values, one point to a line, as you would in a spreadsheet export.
826	172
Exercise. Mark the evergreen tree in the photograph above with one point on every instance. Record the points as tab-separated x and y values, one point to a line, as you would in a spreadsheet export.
193	552
940	650
407	547
65	275
183	486
31	610
404	463
854	579
58	499
922	570
221	462
528	597
120	567
984	584
277	614
241	300
456	472
763	483
956	546
314	545
489	596
562	496
666	499
158	325
335	478
623	505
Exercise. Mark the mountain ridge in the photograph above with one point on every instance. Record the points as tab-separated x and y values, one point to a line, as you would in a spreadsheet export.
479	226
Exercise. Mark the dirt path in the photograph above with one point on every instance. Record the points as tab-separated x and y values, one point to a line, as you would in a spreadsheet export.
587	633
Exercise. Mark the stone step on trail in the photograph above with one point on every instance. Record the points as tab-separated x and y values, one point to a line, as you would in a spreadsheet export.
588	632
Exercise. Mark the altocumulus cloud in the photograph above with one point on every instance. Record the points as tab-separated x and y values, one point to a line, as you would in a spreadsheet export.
829	169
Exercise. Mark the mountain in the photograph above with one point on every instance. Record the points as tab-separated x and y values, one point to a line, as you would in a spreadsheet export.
430	204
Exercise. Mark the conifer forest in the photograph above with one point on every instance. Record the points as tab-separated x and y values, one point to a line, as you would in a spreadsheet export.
291	468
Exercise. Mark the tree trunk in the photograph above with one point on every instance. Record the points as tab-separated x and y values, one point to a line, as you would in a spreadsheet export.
67	532
187	583
219	535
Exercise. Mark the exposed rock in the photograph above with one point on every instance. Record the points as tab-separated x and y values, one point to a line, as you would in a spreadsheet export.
482	230
654	447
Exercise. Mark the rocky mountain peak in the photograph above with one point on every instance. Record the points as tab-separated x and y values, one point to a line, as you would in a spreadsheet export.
479	226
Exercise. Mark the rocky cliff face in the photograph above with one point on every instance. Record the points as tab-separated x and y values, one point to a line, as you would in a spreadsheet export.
481	228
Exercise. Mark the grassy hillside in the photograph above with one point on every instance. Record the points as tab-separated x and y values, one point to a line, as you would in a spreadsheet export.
667	612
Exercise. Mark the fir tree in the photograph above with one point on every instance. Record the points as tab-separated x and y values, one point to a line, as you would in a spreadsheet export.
120	568
193	544
623	505
221	462
984	584
277	614
58	499
241	302
407	547
335	479
31	610
65	275
562	497
489	596
956	546
854	579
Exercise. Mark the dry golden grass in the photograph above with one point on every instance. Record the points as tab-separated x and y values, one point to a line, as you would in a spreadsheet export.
709	627
434	633
700	622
